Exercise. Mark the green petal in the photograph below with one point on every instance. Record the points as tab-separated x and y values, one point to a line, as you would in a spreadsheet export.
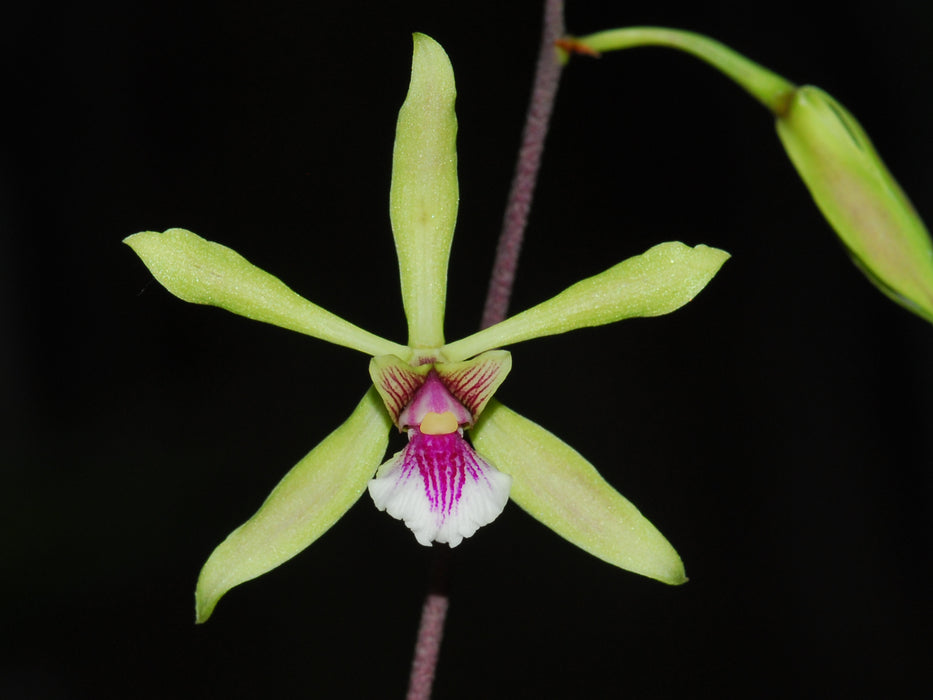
474	381
312	497
859	197
203	272
553	483
397	382
424	196
657	282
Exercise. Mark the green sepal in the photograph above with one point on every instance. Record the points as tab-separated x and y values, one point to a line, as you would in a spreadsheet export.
203	272
651	284
312	497
424	194
553	483
859	197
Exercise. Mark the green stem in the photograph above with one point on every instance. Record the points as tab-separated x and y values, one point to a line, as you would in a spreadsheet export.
770	89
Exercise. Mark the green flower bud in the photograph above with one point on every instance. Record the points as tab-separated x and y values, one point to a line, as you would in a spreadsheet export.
832	153
859	197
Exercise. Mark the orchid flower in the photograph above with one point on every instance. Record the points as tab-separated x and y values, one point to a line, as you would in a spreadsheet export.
443	487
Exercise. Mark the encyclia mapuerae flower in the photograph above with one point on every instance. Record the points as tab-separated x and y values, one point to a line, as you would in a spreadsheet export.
443	487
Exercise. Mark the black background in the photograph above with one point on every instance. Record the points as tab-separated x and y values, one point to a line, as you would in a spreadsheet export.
776	429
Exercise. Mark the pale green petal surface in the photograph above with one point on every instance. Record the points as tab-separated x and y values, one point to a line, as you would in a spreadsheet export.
203	272
557	486
306	502
651	284
859	197
424	195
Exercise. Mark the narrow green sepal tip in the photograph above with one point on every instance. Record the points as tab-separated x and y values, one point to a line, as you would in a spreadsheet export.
424	194
200	271
657	282
553	483
302	507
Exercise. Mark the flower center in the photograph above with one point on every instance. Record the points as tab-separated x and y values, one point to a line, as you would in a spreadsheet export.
411	392
437	484
434	399
439	423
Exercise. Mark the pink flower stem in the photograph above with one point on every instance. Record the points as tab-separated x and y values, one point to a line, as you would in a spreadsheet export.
431	629
544	91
